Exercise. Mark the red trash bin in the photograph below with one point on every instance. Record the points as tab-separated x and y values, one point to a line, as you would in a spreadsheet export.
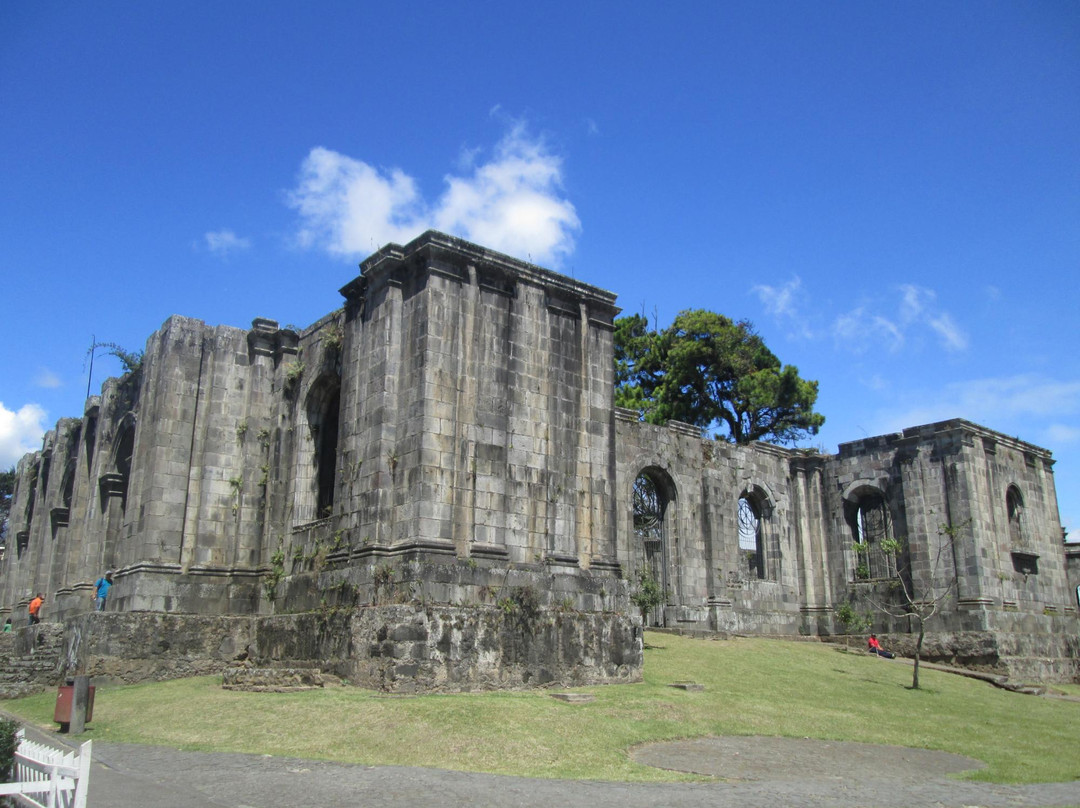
65	694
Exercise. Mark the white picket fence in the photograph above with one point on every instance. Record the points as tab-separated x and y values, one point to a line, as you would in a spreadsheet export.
49	778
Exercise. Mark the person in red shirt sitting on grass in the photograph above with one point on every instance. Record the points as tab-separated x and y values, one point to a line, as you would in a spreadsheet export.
874	647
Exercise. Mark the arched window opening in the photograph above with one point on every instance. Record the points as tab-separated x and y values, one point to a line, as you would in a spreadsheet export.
327	454
46	470
90	442
125	448
32	496
69	483
651	501
751	546
1014	503
61	512
871	524
323	412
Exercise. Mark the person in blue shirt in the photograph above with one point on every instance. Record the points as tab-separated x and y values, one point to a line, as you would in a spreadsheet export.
103	585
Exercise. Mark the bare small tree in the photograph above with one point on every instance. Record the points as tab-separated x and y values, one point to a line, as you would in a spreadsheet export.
922	594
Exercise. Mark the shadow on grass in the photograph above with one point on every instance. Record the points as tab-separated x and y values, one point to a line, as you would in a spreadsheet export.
647	646
849	649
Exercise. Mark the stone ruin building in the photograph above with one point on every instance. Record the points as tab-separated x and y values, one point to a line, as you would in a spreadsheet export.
431	489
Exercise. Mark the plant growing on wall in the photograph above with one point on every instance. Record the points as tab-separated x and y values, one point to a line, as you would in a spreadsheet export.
277	572
383	578
522	605
131	360
294	371
334	337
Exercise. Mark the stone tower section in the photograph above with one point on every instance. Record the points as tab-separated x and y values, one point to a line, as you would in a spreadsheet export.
476	407
191	468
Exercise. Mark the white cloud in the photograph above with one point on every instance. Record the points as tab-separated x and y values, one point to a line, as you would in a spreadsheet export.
877	383
952	337
859	330
225	242
47	379
1007	403
511	203
916	312
20	432
913	301
779	301
348	207
1059	434
783	303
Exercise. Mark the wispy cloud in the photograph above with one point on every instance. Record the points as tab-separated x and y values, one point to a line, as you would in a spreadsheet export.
952	336
47	379
1059	434
859	330
225	242
916	312
1028	402
511	203
779	301
785	304
20	432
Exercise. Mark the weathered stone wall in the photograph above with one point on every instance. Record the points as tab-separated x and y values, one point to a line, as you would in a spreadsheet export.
710	581
952	473
1023	647
30	659
400	649
477	392
415	648
1072	569
126	648
447	438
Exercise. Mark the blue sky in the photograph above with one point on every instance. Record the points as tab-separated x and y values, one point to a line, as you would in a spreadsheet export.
889	191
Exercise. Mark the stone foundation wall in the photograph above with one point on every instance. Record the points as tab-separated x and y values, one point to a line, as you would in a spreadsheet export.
413	649
1036	655
400	649
126	648
30	659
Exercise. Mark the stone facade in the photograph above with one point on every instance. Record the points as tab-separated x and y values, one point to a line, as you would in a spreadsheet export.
1010	606
445	445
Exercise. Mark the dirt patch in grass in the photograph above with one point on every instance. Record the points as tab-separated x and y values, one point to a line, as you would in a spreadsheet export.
760	758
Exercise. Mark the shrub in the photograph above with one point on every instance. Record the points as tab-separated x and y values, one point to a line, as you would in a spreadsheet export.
8	744
649	593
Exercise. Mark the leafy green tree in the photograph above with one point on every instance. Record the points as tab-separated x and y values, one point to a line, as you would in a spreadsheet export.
708	370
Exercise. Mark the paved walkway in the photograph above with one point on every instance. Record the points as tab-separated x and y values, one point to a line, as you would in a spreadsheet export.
762	772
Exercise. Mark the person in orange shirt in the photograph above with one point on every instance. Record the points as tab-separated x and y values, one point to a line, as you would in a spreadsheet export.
35	609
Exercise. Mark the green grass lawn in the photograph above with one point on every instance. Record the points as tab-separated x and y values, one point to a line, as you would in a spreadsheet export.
752	687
